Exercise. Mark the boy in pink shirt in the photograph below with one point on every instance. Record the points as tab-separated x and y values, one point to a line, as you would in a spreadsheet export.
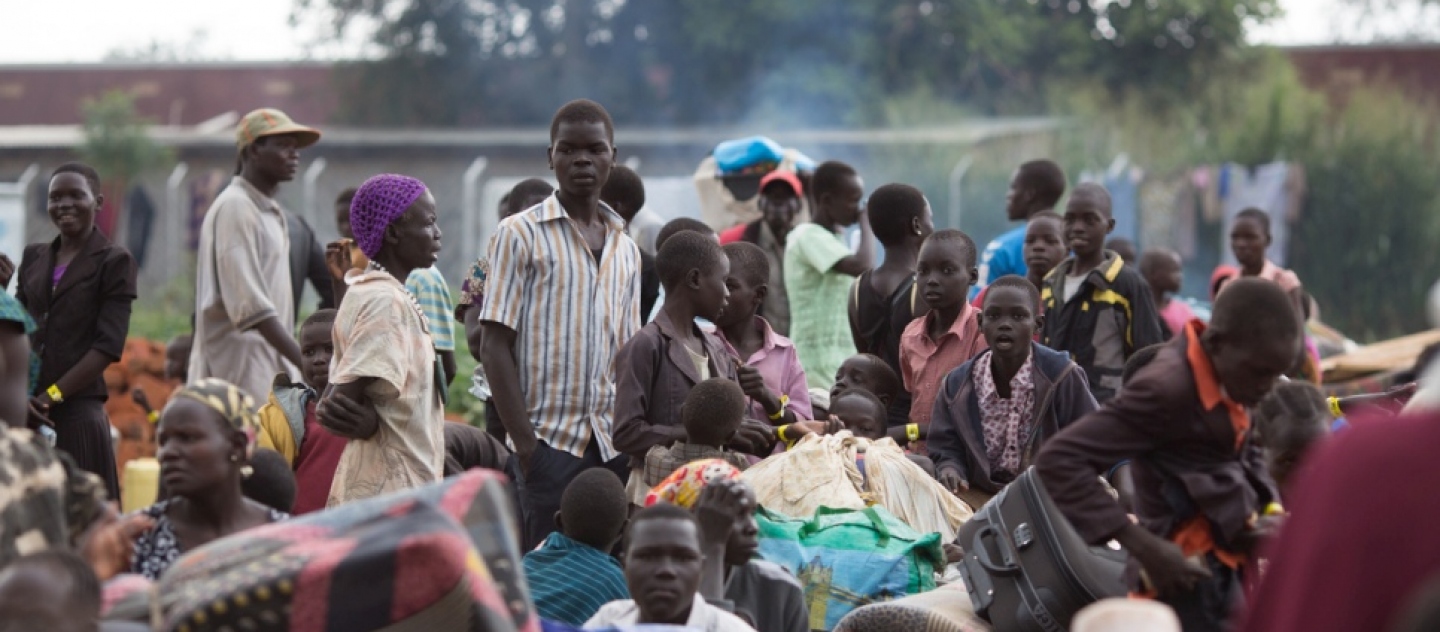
946	337
1161	269
767	365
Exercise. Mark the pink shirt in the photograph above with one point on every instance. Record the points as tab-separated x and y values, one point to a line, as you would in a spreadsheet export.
1282	277
780	367
924	363
1176	314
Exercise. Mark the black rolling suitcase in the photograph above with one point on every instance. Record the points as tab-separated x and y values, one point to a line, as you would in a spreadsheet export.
1025	566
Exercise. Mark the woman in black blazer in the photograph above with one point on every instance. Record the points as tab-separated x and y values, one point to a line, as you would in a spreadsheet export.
78	288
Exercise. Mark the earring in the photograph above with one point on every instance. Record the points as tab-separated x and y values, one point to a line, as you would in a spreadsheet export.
246	471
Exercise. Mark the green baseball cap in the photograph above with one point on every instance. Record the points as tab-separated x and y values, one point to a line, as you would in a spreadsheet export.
272	122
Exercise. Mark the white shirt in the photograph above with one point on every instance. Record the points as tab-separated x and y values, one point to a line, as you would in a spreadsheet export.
1072	285
703	616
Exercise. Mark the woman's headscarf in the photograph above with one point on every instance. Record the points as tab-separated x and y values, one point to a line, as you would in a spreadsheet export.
233	405
379	201
684	485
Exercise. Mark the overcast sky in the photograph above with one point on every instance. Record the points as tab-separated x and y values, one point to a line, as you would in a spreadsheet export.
86	30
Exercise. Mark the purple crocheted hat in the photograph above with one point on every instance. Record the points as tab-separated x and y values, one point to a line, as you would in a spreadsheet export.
381	200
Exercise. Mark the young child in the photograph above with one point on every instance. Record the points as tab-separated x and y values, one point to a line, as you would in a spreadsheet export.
670	229
1043	250
1096	308
1123	248
664	556
767	594
996	410
769	369
819	269
572	574
1290	421
624	192
1200	482
1044	246
177	358
868	372
271	482
711	415
946	337
1249	238
386	393
657	367
52	590
1161	269
288	424
885	300
862	413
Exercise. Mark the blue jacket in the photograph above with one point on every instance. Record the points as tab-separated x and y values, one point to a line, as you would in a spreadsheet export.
957	437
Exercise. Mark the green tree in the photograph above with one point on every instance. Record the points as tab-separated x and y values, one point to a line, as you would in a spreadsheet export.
117	141
814	62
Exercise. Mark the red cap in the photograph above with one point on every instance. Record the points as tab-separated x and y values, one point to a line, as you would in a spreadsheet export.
787	177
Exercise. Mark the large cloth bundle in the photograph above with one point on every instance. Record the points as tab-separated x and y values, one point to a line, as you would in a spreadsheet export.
849	558
439	557
822	471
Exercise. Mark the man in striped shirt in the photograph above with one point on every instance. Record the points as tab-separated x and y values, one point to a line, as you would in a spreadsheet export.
562	296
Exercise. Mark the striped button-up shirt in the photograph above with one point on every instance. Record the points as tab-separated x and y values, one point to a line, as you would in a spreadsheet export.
428	287
570	315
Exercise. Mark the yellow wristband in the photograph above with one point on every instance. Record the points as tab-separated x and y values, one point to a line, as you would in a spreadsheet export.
1335	406
1274	509
780	432
153	416
54	393
780	414
912	432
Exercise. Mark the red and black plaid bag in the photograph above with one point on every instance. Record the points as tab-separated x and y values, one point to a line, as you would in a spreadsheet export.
436	558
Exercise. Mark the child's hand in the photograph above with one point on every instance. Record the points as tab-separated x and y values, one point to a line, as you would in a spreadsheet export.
954	554
753	437
754	386
815	426
950	477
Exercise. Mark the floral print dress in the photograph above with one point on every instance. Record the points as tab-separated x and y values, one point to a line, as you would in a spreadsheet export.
158	548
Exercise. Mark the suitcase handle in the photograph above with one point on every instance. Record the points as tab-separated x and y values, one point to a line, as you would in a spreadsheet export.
1008	565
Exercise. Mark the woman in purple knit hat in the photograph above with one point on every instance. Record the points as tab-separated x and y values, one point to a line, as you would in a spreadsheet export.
384	393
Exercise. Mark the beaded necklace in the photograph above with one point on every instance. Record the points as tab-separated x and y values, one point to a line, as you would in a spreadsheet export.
414	302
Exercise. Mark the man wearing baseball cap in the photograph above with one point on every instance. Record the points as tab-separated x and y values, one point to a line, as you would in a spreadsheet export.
244	307
779	203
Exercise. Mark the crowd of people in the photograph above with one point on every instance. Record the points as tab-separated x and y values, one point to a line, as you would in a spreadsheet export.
654	390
